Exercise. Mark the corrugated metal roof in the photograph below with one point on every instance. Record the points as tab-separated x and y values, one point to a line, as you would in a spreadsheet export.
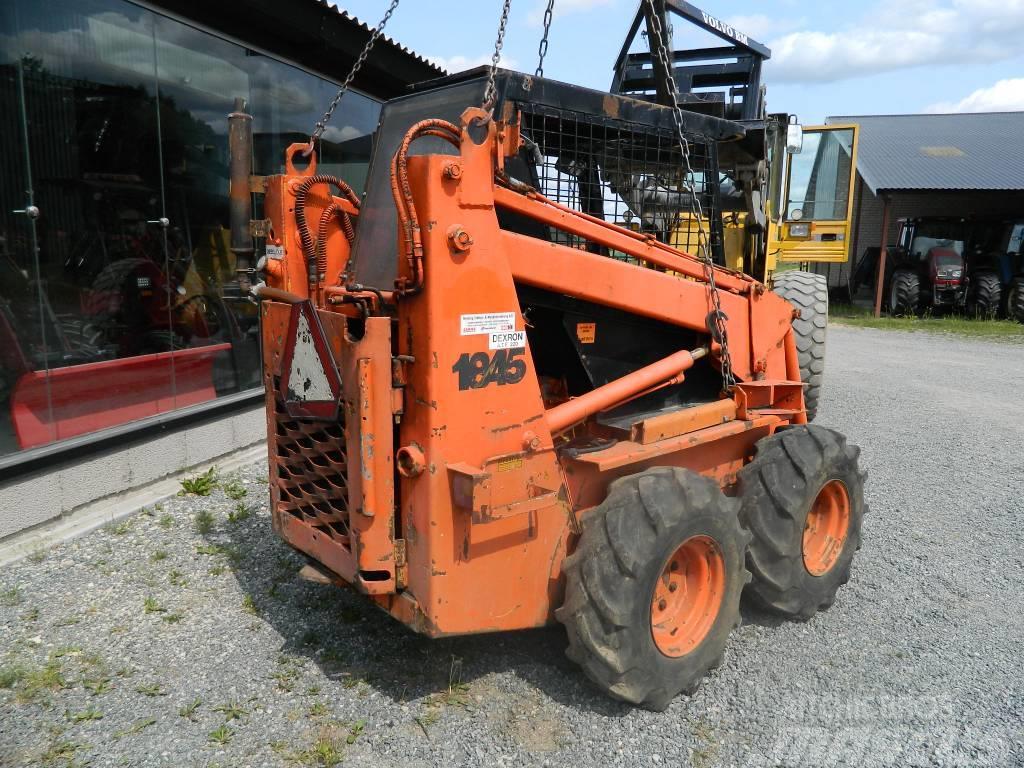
978	151
383	38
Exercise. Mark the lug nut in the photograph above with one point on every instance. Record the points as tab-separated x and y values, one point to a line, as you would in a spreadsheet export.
453	171
459	239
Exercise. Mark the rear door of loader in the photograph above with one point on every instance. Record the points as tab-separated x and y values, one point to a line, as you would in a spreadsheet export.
817	210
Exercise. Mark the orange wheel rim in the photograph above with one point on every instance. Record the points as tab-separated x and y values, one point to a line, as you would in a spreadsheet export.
687	596
828	524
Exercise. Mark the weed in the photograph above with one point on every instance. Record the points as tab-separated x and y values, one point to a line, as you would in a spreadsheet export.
126	672
139	725
176	578
150	689
240	512
10	675
278	747
231	710
217	570
189	710
59	751
147	512
325	752
200	485
221	735
150	605
37	555
158	507
249	606
96	685
211	549
157	556
35	683
234	490
68	621
120	529
355	731
204	521
165	521
66	650
10	597
173	618
84	715
31	614
318	709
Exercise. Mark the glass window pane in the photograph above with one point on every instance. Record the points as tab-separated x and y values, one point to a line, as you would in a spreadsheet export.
819	177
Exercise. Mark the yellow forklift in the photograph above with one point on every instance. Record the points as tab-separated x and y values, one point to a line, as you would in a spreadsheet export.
786	189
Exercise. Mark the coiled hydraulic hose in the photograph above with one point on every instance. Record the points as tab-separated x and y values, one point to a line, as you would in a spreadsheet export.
305	236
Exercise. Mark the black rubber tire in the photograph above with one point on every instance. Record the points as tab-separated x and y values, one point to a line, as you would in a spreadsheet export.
611	576
1015	300
808	293
776	491
985	295
904	294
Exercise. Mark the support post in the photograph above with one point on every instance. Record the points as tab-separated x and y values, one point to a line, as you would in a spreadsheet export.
882	254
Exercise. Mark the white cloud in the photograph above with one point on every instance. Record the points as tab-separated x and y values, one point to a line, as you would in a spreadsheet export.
453	64
901	34
1004	96
562	9
760	26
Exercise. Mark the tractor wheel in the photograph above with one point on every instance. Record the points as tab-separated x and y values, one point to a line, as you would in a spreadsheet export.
904	294
653	588
1015	301
808	293
802	500
985	295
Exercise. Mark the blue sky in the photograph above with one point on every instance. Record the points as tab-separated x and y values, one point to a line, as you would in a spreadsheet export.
828	58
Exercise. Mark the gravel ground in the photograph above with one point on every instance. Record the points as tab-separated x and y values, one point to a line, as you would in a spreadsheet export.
152	643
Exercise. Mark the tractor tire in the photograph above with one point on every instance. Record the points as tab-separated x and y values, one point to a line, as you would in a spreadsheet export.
985	295
802	499
1015	300
904	294
636	634
808	293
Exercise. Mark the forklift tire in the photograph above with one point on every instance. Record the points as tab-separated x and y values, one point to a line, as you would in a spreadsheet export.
802	499
636	633
904	294
1015	300
985	295
808	293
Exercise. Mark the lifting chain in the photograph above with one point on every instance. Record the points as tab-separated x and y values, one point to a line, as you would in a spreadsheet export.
542	49
716	318
491	91
321	124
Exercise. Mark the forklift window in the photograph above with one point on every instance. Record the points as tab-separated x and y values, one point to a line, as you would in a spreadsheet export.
819	177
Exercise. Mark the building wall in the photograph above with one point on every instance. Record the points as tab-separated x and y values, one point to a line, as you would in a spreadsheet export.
868	208
37	498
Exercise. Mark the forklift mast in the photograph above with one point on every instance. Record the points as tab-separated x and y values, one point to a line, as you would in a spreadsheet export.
723	81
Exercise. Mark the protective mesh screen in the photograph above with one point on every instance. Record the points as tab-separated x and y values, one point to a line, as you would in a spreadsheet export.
626	173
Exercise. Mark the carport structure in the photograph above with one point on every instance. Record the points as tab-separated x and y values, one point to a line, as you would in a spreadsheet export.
909	166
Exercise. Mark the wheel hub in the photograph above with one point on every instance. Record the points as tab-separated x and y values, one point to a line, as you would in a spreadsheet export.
826	529
687	596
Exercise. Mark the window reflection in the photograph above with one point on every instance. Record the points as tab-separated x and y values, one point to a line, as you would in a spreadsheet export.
115	316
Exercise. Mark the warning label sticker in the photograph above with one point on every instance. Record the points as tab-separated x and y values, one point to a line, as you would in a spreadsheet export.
506	340
586	332
275	251
487	322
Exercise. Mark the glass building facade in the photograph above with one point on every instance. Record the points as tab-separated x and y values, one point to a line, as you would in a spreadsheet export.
119	295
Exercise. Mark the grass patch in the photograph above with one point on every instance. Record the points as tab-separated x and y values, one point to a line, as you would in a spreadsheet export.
189	710
204	521
211	549
151	689
960	325
35	684
85	715
231	710
176	578
249	606
200	485
157	556
139	725
10	597
221	735
37	555
173	618
239	513
119	529
165	521
234	490
150	605
10	675
97	685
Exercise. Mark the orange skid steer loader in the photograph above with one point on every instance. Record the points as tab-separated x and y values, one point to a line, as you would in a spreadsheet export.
497	399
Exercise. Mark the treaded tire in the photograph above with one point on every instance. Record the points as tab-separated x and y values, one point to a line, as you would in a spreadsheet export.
776	491
808	293
985	295
1015	300
904	294
611	577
